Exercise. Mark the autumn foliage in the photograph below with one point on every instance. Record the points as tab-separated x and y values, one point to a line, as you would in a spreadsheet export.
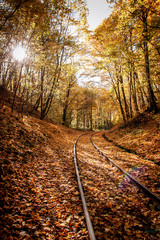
61	52
39	194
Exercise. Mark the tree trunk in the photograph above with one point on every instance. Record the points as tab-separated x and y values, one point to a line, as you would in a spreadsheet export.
117	92
130	93
64	117
135	77
152	102
16	87
124	98
42	83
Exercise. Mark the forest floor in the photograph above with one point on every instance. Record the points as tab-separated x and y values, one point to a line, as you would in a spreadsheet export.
140	136
38	188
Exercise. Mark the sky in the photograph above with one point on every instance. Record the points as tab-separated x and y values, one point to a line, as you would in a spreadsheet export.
98	11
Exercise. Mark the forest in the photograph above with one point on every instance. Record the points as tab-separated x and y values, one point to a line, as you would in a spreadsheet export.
63	60
61	82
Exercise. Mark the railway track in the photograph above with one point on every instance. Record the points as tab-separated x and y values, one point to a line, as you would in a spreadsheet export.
144	171
116	204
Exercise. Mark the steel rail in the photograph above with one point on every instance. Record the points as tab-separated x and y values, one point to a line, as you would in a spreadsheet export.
87	215
147	191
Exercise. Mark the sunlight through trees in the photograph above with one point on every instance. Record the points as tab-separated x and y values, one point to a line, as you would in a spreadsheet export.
19	53
122	54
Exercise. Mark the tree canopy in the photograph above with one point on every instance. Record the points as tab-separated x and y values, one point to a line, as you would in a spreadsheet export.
122	53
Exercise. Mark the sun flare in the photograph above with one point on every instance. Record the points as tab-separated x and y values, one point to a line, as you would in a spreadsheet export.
19	53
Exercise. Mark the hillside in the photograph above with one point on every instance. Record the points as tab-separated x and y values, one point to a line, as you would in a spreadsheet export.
38	186
39	194
140	136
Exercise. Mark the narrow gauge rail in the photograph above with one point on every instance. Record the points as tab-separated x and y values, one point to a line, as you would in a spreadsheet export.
132	180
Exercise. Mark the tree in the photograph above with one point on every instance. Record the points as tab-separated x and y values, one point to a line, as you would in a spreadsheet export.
124	47
44	28
142	16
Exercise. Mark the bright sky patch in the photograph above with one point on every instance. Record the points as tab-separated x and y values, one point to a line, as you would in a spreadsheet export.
19	53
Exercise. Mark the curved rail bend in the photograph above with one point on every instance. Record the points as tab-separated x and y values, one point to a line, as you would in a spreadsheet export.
142	187
87	215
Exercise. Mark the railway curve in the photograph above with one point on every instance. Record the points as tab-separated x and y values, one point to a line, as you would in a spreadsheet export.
138	184
91	160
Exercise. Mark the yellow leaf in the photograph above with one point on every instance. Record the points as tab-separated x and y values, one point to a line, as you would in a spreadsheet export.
84	230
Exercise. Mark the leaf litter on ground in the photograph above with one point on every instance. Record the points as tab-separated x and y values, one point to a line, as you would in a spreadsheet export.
39	193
